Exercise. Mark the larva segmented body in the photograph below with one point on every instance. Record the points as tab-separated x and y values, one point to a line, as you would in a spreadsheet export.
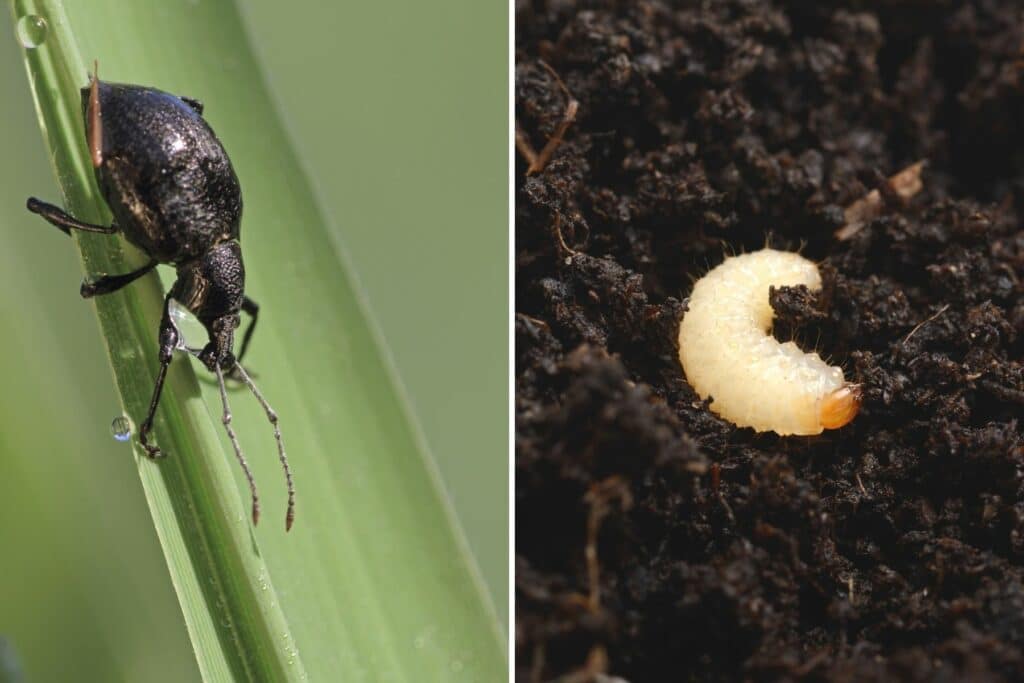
755	381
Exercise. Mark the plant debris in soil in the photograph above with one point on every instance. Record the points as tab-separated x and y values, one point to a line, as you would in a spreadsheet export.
655	541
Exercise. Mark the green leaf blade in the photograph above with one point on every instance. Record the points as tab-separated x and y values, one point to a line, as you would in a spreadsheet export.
375	579
234	623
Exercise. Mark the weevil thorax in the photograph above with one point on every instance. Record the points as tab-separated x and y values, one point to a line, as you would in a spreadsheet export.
213	287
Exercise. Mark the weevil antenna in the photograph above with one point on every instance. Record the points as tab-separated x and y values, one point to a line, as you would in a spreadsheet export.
282	456
238	448
95	118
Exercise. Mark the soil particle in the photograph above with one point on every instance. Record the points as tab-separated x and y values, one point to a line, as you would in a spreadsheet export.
655	541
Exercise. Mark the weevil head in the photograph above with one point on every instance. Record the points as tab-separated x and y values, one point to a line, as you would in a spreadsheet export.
222	339
212	287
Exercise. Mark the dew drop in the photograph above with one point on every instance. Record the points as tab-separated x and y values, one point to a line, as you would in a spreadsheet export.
32	30
190	330
121	428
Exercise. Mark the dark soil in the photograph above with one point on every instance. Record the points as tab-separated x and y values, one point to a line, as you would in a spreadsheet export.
657	542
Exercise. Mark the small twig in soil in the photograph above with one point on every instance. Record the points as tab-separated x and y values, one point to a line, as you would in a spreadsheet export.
860	484
593	671
716	483
1003	393
525	148
811	664
538	160
539	657
557	227
536	321
923	323
903	186
599	498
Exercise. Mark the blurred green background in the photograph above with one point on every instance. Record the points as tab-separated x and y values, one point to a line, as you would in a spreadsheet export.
85	593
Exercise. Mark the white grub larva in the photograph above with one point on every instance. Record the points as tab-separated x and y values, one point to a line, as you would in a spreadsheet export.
728	354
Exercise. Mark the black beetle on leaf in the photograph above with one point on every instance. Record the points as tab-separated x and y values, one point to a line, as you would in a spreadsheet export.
174	195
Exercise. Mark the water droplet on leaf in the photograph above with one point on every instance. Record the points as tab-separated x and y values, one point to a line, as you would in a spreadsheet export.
121	428
32	30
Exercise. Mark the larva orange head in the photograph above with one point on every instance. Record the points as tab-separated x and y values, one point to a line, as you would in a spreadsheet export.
840	407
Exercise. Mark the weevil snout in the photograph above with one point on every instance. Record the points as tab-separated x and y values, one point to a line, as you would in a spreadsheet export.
211	356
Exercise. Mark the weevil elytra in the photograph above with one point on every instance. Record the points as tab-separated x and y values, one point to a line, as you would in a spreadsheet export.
174	194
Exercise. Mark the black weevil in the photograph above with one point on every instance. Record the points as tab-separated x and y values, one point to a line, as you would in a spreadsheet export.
174	195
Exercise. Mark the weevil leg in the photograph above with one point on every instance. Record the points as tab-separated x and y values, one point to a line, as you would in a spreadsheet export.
253	309
111	283
168	342
196	105
63	220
